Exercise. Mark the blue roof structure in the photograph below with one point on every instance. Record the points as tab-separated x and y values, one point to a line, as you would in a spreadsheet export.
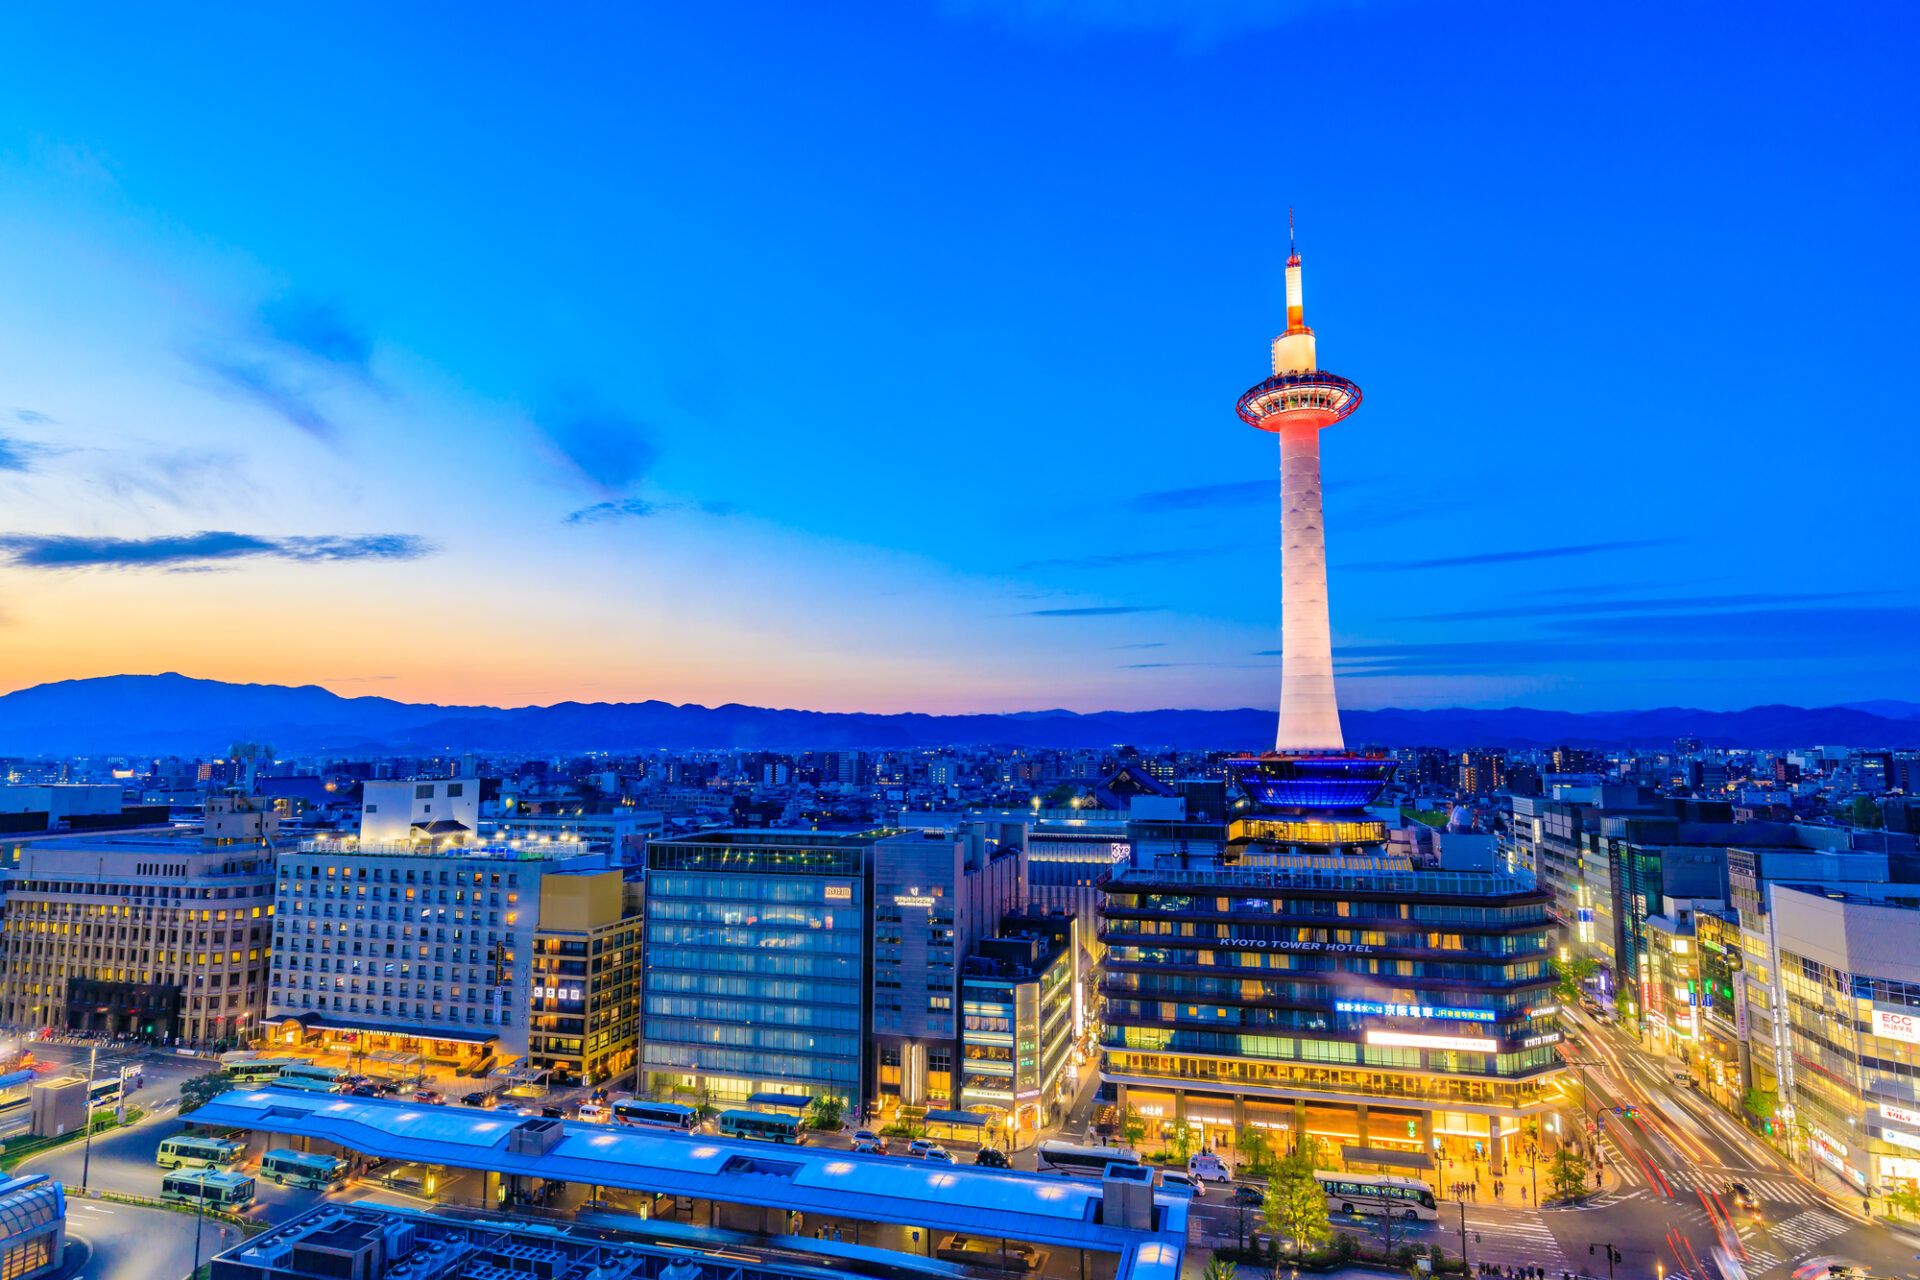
1036	1208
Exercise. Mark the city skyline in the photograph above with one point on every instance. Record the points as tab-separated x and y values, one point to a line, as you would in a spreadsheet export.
729	358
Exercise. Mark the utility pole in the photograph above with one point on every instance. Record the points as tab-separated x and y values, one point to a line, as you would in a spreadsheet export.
1463	1231
199	1217
86	1159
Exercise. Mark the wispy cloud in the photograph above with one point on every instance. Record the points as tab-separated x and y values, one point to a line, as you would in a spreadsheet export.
623	509
1127	559
1145	644
611	451
30	416
191	550
17	455
1635	606
271	388
1101	611
1205	497
321	330
1510	557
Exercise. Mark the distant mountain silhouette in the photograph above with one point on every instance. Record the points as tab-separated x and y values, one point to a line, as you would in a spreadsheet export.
177	715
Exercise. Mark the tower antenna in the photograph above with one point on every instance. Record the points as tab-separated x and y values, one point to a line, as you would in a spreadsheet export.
1290	249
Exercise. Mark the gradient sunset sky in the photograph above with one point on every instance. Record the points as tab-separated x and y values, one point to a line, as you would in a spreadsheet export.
883	356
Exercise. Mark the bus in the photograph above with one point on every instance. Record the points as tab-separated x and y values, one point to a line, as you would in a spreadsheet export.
104	1092
656	1115
1083	1162
211	1188
200	1152
262	1070
762	1127
303	1169
307	1084
1377	1193
302	1069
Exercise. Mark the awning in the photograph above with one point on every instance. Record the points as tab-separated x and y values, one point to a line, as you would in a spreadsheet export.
955	1117
314	1022
1387	1156
791	1101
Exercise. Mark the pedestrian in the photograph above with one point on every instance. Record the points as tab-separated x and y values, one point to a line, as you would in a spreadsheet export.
836	1235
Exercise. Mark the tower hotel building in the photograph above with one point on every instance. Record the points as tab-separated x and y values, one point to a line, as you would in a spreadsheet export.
1319	981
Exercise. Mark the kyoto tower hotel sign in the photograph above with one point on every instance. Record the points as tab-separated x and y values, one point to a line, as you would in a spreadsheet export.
1296	404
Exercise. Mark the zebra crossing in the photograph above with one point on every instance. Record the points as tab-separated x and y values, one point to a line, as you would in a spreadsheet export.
1516	1238
1771	1189
1807	1231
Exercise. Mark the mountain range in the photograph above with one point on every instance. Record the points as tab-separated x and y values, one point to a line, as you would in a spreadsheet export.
178	715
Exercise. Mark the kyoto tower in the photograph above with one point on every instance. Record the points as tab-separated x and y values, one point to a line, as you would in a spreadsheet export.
1296	404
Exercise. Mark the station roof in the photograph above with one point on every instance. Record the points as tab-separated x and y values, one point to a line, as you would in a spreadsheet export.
1036	1208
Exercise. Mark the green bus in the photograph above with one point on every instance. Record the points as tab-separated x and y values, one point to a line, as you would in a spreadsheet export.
212	1188
286	1167
261	1070
200	1152
762	1127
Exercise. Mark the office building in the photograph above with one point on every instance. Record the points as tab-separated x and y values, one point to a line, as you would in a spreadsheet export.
402	811
158	934
1022	1012
757	962
583	1001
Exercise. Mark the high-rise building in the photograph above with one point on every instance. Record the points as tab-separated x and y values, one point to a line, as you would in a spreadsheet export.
583	1004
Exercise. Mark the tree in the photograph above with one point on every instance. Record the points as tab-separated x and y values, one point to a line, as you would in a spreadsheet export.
1572	976
1567	1173
1762	1104
1219	1268
1904	1200
1296	1206
201	1090
1133	1126
1182	1145
1863	812
1256	1152
827	1112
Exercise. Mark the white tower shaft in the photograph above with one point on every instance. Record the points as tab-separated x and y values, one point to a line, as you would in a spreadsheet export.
1309	715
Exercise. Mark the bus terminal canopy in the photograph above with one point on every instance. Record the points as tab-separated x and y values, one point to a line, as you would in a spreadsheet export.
790	1101
1387	1159
968	1118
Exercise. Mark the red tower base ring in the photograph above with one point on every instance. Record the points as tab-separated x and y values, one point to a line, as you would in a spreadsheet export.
1325	398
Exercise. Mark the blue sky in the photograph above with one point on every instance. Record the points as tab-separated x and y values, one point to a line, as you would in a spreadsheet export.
884	356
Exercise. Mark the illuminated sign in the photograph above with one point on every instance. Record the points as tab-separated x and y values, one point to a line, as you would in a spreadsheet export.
558	993
1900	1139
1896	1026
1352	948
1412	1011
911	900
1406	1040
839	893
1543	1011
1552	1037
1901	1114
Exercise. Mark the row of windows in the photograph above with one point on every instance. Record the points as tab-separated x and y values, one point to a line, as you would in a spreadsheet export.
844	944
443	1013
756	1012
308	871
782	965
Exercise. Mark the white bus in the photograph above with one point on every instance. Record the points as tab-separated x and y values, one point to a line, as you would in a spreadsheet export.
1377	1193
303	1169
302	1069
759	1125
202	1152
259	1070
656	1115
214	1188
1083	1162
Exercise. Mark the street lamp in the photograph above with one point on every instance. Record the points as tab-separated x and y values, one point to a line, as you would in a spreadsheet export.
86	1159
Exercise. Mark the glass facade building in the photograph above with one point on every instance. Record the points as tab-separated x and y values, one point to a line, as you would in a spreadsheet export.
757	964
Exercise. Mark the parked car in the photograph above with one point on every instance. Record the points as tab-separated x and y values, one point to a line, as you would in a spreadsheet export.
429	1096
868	1135
867	1147
1182	1184
919	1147
992	1158
479	1098
1252	1197
940	1155
554	1113
1208	1167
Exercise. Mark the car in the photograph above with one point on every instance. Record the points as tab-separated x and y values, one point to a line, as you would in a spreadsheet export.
992	1158
554	1113
1181	1184
940	1155
429	1096
479	1098
1208	1167
363	1091
867	1147
869	1136
1248	1197
1738	1193
919	1147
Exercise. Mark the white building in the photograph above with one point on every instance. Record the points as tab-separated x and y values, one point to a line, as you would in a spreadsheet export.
396	812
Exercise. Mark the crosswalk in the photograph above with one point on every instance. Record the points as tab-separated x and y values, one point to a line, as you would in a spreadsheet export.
1516	1238
1807	1231
1769	1189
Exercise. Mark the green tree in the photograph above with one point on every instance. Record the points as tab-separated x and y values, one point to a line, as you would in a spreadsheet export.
1133	1126
827	1112
1183	1140
1295	1205
200	1090
1904	1200
1863	812
1762	1104
1567	1174
1219	1268
1571	976
1256	1152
